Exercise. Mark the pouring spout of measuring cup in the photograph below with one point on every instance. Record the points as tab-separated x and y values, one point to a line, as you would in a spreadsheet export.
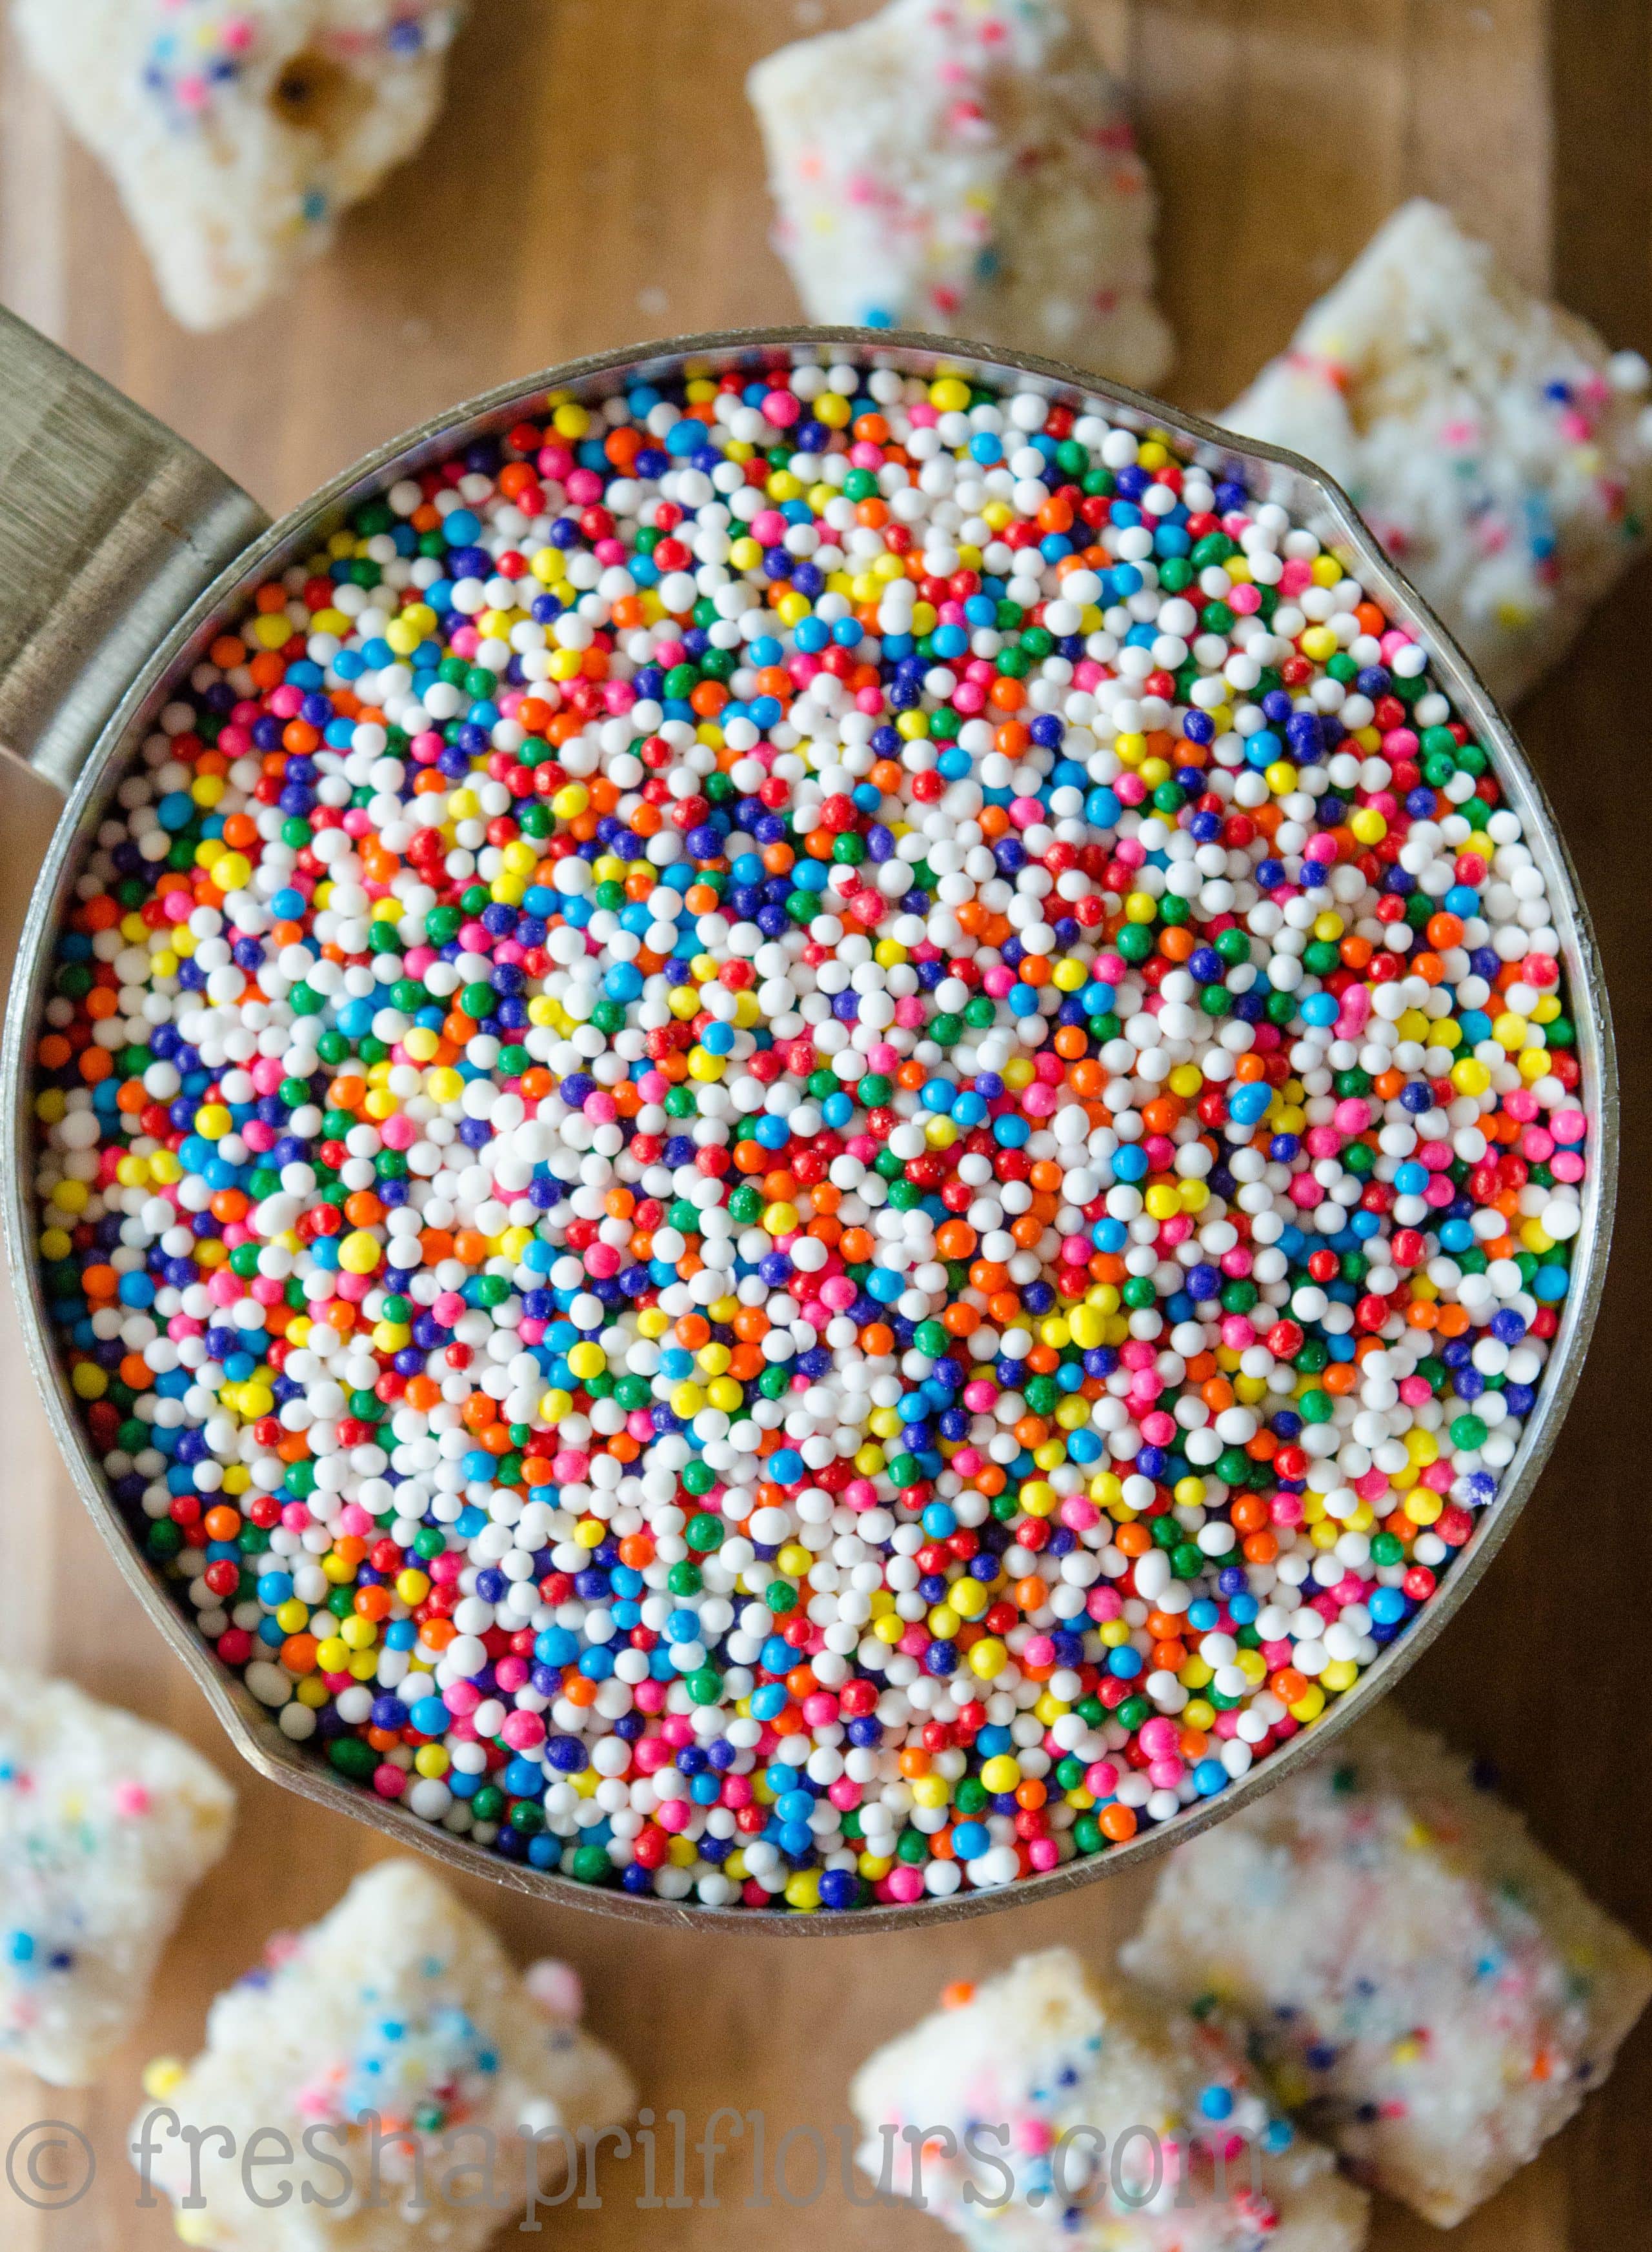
110	528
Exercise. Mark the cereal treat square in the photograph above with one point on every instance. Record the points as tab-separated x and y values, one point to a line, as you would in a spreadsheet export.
1054	2108
1498	449
965	165
105	1823
238	131
392	2071
1425	1987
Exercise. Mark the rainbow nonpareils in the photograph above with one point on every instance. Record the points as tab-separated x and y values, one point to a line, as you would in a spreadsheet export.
809	1140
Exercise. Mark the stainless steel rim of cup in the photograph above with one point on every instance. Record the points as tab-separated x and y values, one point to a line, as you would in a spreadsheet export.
1279	475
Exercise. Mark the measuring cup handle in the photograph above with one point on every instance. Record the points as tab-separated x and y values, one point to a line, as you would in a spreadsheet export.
110	526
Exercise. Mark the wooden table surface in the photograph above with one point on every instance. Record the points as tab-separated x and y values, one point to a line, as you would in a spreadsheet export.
596	179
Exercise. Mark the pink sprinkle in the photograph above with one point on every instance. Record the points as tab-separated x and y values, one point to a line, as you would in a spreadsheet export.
556	1989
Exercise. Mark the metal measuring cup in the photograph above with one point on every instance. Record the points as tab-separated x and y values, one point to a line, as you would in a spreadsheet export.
124	552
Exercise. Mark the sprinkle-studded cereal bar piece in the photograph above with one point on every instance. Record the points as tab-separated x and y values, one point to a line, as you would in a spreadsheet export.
1496	446
238	131
1084	2114
400	2064
105	1823
1426	1988
967	166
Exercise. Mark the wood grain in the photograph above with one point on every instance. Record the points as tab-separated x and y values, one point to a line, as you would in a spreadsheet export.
595	180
